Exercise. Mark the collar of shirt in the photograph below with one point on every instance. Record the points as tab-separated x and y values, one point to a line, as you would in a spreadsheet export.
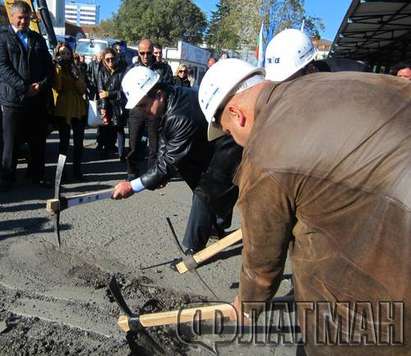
23	36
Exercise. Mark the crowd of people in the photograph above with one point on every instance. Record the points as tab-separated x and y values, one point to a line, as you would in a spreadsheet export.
40	93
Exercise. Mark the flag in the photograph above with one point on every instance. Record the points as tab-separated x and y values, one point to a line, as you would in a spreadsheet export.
260	52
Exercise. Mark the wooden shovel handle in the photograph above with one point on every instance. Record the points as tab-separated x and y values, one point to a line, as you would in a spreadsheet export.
212	250
180	316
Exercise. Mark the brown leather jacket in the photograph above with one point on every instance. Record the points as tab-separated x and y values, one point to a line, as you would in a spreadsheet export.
326	177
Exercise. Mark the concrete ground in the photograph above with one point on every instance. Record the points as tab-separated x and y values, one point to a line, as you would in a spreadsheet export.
55	301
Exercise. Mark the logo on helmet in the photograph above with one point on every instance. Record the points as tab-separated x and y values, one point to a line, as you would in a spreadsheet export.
275	60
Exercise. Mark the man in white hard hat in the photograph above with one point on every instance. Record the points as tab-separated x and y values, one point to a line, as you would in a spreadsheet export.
325	177
183	148
289	54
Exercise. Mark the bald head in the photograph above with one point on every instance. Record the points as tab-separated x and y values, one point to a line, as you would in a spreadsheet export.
238	115
145	51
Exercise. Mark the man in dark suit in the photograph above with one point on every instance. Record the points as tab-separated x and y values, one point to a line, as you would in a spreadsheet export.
25	75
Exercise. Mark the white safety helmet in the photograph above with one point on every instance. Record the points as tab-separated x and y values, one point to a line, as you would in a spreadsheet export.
223	79
287	53
137	82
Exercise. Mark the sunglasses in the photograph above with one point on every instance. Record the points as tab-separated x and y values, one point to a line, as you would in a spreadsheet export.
145	53
109	59
182	71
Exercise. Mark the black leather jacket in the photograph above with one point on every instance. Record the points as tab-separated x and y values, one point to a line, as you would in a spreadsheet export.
216	185
116	101
183	144
20	67
181	82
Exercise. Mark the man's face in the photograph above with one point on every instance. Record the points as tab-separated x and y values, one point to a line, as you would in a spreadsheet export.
109	60
211	62
158	54
152	107
145	52
404	73
20	20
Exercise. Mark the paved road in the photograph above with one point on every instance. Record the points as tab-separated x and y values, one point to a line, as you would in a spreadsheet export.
43	286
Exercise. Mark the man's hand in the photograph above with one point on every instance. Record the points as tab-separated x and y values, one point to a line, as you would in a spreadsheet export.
244	319
122	190
33	90
103	94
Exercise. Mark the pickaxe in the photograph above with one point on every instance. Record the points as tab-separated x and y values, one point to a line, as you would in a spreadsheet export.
58	203
191	262
134	322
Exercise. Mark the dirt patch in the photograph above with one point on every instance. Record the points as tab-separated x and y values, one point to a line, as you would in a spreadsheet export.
23	334
33	336
88	276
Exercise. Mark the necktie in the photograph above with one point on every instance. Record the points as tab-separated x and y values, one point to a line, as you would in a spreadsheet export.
23	38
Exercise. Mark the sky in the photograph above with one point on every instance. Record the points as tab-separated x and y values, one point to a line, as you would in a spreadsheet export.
331	12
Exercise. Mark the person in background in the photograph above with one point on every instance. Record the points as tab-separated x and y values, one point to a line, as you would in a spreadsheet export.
402	70
25	95
92	72
112	101
120	53
211	61
79	61
158	52
181	77
69	89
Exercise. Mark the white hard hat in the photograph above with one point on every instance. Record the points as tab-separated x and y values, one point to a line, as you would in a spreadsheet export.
287	53
137	82
223	79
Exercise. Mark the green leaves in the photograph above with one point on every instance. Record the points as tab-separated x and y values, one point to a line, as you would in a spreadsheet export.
236	23
163	21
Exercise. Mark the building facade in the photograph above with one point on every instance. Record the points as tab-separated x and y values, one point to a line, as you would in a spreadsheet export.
82	13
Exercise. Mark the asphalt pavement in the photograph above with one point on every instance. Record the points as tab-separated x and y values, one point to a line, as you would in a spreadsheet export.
49	293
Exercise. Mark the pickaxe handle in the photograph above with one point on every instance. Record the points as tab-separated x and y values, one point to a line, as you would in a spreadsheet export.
56	205
211	250
127	323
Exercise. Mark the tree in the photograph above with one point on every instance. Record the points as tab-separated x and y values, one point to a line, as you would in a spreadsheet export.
236	23
106	28
222	31
163	21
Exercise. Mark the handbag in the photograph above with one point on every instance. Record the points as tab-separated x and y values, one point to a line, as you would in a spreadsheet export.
93	116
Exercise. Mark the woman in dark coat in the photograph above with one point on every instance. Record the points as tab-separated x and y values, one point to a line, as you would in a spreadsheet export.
181	78
112	101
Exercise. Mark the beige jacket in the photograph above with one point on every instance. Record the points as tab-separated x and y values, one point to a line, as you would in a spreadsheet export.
69	95
326	176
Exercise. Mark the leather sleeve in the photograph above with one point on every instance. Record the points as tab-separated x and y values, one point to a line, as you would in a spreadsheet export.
266	223
102	103
7	72
168	74
174	144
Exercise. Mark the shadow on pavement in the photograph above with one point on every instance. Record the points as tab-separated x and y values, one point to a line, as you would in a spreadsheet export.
24	227
21	207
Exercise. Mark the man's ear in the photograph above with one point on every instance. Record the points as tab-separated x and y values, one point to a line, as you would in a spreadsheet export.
237	115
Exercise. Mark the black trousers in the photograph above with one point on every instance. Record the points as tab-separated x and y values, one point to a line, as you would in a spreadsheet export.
106	137
77	125
137	121
202	223
28	124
